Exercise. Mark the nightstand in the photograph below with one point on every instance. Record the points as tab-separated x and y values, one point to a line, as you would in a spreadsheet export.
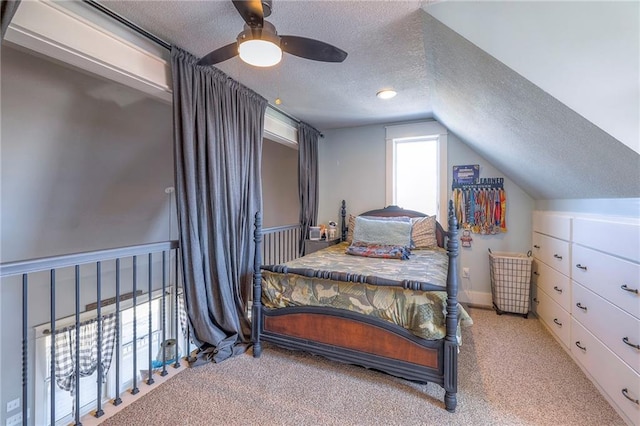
314	245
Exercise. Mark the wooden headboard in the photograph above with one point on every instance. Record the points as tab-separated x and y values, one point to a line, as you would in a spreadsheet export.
395	211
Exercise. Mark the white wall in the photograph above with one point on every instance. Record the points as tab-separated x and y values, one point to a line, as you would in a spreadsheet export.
625	207
352	167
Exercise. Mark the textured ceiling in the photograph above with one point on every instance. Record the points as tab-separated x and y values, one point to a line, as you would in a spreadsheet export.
530	134
383	40
586	54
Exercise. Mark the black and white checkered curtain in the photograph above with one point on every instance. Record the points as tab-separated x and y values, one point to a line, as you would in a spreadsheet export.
65	360
182	314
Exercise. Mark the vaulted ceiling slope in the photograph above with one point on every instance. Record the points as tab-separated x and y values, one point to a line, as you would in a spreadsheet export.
546	148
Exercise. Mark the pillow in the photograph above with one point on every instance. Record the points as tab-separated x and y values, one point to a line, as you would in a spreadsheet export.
379	251
385	232
423	233
352	222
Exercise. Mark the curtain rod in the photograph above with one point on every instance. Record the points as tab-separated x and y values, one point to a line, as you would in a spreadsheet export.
128	23
155	39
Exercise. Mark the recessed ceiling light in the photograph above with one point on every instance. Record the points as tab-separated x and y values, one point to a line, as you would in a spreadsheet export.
386	94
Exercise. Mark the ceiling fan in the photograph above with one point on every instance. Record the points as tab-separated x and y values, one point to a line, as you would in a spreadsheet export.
259	43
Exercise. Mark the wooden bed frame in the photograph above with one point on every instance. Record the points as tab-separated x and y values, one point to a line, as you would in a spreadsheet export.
358	339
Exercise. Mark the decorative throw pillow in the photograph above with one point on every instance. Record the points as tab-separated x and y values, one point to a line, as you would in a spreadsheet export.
423	233
352	224
384	232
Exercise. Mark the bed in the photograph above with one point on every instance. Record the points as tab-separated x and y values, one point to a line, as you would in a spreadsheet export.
290	307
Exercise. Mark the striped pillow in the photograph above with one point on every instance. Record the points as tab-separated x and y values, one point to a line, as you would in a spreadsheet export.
352	224
423	232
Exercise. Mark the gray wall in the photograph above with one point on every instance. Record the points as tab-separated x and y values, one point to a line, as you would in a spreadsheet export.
85	162
352	167
281	204
84	166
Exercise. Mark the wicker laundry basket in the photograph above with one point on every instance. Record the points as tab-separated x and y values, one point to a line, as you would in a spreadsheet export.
510	282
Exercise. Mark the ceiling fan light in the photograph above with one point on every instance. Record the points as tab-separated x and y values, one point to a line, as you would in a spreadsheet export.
386	94
260	53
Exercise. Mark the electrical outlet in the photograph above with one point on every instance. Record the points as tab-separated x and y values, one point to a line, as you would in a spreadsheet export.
14	420
12	405
465	272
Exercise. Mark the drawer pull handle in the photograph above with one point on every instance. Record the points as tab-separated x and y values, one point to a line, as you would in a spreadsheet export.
559	290
536	246
579	305
631	290
557	322
557	256
625	392
536	301
579	266
580	346
626	341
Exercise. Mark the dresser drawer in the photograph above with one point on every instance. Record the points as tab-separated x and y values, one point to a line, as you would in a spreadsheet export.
553	252
557	319
609	324
618	238
606	275
555	284
611	373
554	225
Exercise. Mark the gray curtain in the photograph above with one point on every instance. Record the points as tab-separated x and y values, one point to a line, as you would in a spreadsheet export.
218	125
307	178
8	9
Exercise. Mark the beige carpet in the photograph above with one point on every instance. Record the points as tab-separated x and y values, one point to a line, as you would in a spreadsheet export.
511	372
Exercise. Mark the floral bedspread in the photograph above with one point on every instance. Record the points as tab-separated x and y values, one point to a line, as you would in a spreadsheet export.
420	312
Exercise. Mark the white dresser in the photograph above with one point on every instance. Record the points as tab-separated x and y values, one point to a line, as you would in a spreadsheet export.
551	289
586	283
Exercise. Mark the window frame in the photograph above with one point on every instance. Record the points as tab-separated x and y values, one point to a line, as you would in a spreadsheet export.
421	130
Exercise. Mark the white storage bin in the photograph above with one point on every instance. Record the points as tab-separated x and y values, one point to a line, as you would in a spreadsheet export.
510	282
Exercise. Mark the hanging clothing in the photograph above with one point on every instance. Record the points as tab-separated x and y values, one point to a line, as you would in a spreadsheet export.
482	210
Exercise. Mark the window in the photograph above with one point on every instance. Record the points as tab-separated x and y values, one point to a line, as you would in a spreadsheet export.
417	167
65	403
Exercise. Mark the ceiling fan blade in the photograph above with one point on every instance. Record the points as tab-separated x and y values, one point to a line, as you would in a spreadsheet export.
220	55
312	49
251	11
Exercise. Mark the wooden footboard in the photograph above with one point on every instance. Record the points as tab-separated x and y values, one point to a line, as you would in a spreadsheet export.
351	334
355	339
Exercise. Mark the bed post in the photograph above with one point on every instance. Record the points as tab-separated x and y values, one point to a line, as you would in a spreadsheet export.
343	225
451	341
256	312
